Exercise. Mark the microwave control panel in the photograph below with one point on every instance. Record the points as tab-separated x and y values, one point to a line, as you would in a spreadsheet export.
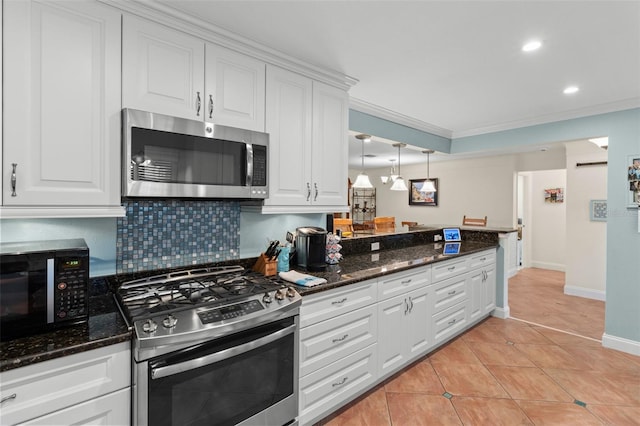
71	288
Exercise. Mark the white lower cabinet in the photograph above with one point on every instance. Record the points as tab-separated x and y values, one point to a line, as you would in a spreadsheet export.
404	329
482	285
91	387
449	322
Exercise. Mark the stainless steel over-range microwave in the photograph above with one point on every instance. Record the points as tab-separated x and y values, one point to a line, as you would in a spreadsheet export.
166	156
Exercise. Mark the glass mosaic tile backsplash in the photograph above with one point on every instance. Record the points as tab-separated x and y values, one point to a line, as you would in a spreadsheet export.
171	233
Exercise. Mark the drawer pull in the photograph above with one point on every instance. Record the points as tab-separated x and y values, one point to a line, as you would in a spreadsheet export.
451	293
483	259
406	281
339	302
340	339
341	382
451	268
7	398
453	321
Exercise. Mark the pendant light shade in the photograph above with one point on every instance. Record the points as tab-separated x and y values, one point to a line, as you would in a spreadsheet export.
393	176
362	181
427	185
399	184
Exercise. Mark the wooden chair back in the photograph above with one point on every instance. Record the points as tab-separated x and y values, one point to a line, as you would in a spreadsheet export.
470	221
344	225
384	223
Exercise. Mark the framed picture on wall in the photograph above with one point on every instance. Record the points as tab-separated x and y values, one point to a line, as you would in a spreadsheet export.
633	178
598	210
419	198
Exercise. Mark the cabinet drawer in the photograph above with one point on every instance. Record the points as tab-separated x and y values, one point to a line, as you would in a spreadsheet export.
331	387
449	322
449	292
402	282
482	259
331	340
448	268
329	304
49	386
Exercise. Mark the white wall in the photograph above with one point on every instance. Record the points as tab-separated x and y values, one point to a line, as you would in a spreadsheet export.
547	222
478	187
586	257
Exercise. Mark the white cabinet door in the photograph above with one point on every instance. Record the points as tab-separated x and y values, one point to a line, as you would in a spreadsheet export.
404	329
477	291
489	299
162	70
113	409
329	156
61	103
235	89
392	352
288	122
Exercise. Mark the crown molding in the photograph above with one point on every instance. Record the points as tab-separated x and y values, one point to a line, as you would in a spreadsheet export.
387	114
550	118
177	20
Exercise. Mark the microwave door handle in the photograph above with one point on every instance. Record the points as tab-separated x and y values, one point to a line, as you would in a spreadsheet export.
169	370
50	290
249	164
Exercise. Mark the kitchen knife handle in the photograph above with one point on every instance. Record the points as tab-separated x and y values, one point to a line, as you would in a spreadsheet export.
198	103
14	179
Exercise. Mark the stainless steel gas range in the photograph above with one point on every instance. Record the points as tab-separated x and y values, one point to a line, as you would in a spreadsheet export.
213	346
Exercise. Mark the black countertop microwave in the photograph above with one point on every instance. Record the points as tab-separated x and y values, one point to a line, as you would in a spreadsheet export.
171	157
43	286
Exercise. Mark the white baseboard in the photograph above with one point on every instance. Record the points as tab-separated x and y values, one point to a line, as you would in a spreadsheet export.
548	265
618	343
502	313
587	293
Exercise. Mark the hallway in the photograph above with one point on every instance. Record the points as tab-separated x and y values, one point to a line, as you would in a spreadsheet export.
511	372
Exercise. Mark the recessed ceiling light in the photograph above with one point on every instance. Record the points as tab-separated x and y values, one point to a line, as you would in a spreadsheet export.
531	46
571	90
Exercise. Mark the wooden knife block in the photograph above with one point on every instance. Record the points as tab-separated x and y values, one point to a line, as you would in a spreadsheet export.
266	267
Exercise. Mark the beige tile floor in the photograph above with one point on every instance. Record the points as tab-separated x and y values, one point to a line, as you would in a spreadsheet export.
512	372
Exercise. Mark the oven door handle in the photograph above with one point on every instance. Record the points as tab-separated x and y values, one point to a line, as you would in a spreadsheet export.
169	370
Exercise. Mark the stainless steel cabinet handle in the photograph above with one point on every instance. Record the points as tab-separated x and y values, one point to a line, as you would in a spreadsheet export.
315	185
453	321
341	339
198	103
7	398
339	302
340	383
406	281
411	304
14	180
452	292
406	307
308	191
483	259
210	106
451	268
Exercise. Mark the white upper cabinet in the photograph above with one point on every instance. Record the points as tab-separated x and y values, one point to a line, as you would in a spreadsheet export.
169	72
162	70
235	89
308	123
61	115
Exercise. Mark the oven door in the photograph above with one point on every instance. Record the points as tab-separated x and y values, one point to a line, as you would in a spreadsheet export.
250	377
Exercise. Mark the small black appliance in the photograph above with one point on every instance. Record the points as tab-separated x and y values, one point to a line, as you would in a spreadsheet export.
311	247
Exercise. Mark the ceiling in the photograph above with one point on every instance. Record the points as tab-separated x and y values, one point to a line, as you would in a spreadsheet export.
456	66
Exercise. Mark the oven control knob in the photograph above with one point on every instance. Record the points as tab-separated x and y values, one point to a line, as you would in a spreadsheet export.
169	321
149	326
280	294
267	298
291	293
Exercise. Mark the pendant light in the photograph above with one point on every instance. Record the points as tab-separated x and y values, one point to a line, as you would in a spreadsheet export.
362	181
393	175
427	185
398	184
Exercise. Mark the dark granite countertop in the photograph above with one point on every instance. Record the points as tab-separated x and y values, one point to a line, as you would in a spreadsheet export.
104	327
360	267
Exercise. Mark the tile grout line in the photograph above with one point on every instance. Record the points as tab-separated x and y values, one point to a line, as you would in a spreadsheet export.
555	329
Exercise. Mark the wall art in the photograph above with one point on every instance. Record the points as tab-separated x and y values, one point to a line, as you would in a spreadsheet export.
598	210
554	195
419	198
633	180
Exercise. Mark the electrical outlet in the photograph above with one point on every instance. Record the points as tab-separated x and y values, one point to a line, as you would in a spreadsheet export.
437	237
437	246
375	257
375	246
